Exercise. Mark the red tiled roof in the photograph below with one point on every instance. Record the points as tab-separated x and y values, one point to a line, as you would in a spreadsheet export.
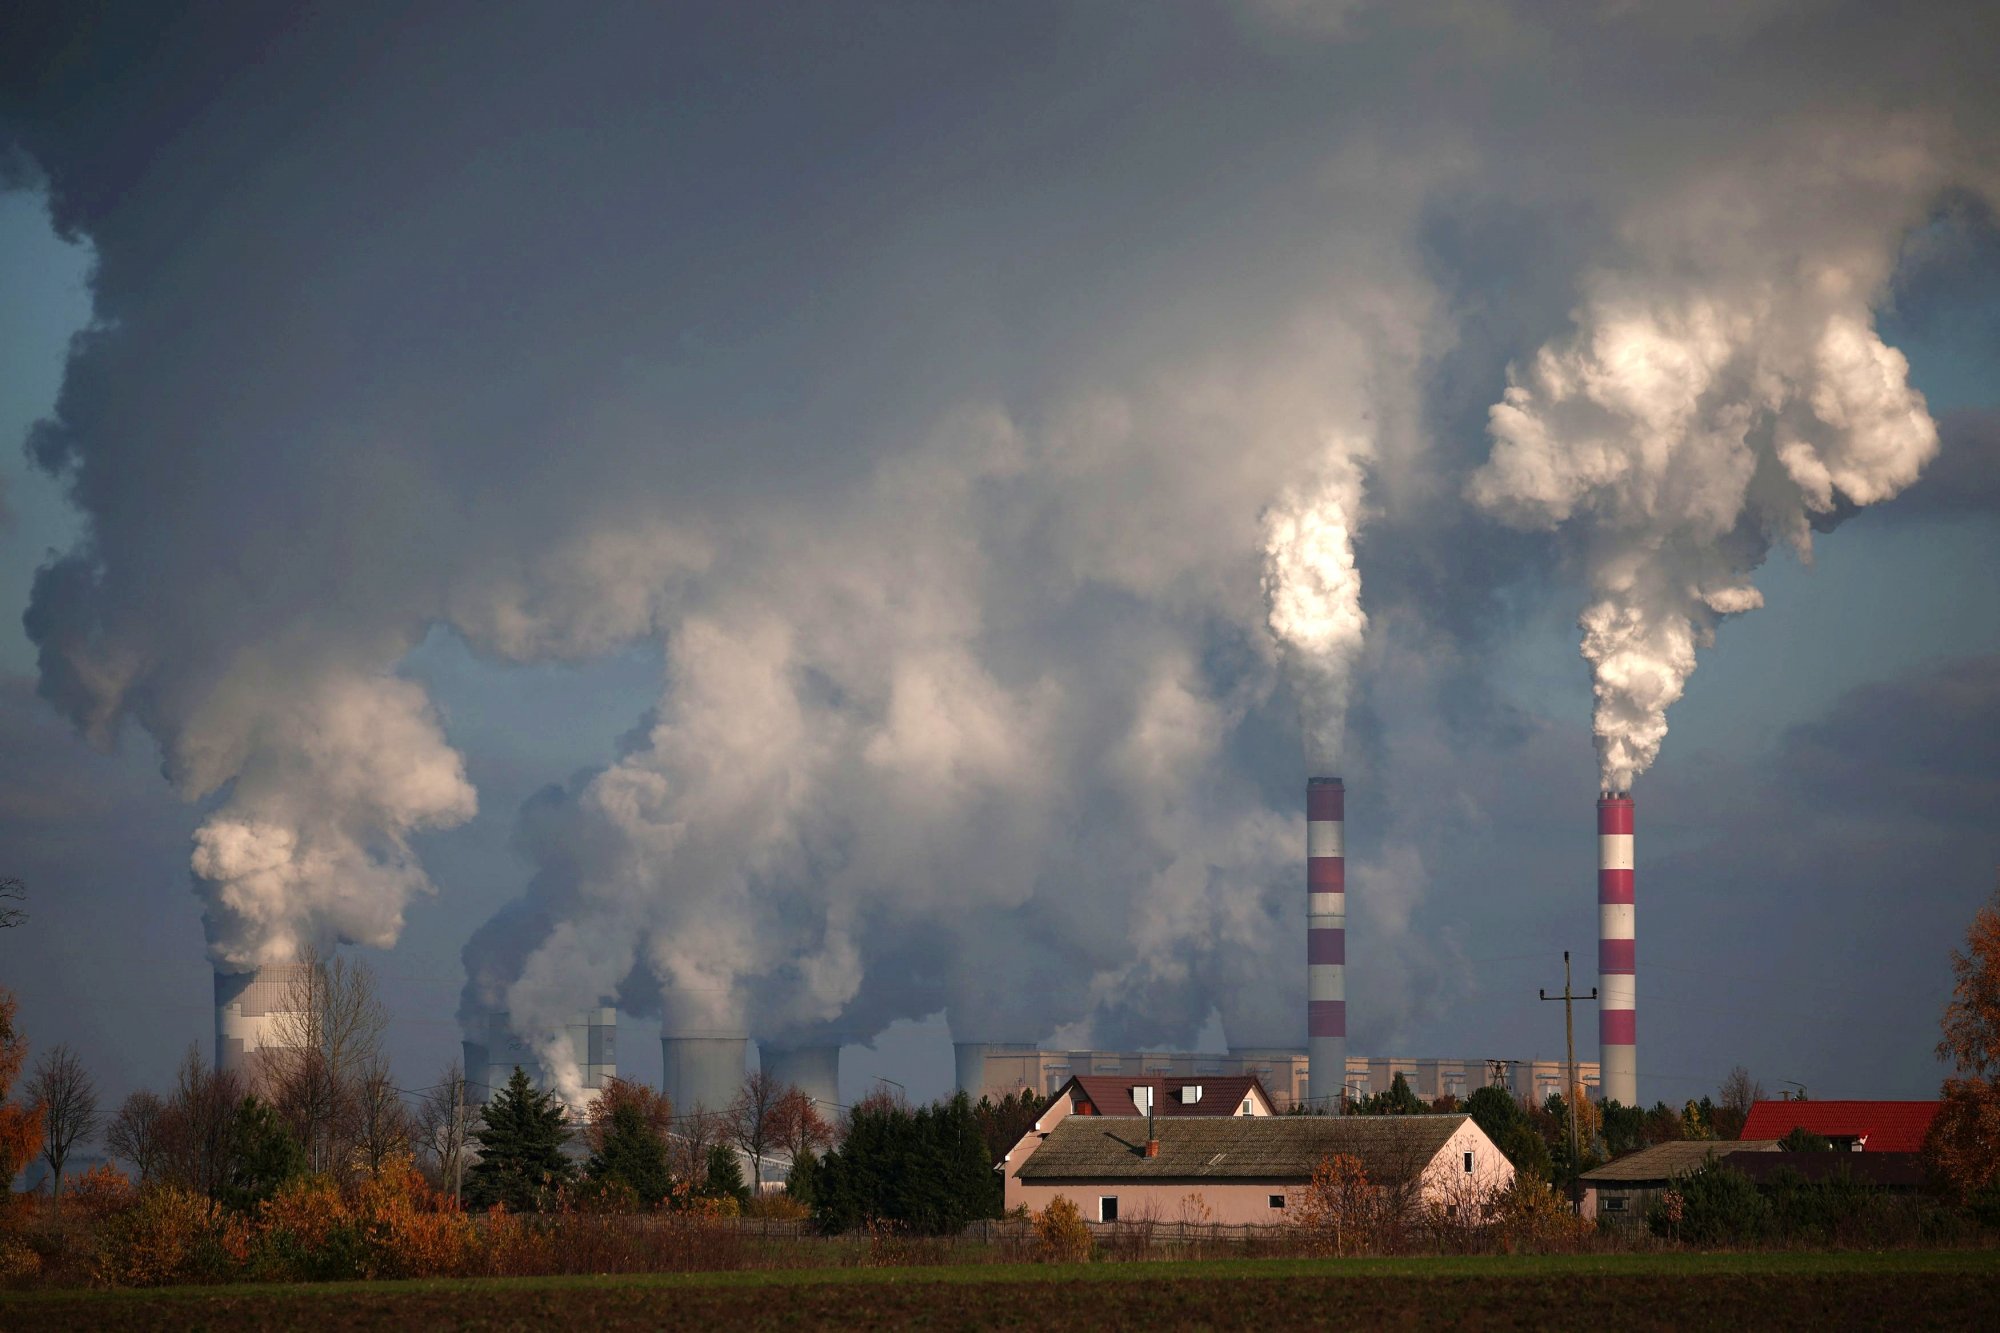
1887	1126
1111	1094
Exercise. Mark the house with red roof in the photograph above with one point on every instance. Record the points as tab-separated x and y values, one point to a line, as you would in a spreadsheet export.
1850	1126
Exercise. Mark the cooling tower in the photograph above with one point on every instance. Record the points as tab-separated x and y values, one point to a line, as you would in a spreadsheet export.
1617	960
813	1070
247	1005
702	1073
969	1057
493	1049
1326	943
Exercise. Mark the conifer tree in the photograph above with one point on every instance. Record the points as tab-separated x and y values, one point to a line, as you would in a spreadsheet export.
725	1175
521	1160
632	1155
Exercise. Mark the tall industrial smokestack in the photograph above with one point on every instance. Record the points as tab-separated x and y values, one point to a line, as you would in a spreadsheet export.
813	1070
1617	1026
247	1009
1326	943
702	1073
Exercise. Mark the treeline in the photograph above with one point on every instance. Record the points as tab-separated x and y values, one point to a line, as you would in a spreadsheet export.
1536	1138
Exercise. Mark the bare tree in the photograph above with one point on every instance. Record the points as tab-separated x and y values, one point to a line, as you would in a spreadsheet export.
444	1127
69	1107
1740	1091
198	1132
136	1133
324	1038
382	1127
751	1122
687	1148
12	891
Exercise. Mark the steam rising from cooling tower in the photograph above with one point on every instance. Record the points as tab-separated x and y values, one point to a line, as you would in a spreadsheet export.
1724	388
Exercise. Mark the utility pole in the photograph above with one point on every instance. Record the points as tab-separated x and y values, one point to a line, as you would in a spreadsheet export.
1571	1094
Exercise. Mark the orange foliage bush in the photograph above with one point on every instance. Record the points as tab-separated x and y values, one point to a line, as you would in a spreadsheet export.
1061	1235
101	1192
1340	1212
169	1235
408	1228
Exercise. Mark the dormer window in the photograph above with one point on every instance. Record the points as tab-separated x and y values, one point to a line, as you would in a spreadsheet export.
1190	1094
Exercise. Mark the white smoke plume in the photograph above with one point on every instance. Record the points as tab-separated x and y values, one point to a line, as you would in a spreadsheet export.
1312	589
1724	389
312	846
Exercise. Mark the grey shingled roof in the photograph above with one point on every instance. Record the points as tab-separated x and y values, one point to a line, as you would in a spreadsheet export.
1282	1147
1663	1161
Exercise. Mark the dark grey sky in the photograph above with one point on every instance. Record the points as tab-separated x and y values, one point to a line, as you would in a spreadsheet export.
824	451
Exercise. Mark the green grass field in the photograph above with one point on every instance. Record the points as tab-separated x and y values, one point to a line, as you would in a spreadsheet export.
1952	1289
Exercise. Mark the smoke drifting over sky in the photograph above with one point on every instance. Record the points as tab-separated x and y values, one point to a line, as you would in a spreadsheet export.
1013	427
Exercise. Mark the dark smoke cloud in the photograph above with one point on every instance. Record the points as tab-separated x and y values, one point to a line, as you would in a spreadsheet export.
925	381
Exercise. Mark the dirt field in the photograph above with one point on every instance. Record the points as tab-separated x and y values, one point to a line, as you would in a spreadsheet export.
1951	1290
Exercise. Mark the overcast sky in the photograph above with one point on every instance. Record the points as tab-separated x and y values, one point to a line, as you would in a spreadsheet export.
774	514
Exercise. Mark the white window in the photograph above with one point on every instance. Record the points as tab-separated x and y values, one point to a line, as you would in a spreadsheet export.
1107	1208
1468	1164
1246	1107
1277	1201
1615	1204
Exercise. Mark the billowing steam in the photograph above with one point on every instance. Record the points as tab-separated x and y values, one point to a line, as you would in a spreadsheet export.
1723	390
978	444
312	845
1313	593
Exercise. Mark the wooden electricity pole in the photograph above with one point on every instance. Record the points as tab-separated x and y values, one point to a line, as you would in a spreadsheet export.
1572	1093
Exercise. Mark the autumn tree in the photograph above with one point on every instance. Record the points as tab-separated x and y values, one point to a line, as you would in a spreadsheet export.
1340	1211
136	1133
1964	1143
69	1108
20	1125
803	1134
751	1123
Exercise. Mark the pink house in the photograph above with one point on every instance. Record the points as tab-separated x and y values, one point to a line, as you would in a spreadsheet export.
1239	1168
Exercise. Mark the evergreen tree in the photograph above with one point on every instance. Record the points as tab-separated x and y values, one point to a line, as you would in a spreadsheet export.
725	1175
925	1170
632	1155
265	1155
521	1160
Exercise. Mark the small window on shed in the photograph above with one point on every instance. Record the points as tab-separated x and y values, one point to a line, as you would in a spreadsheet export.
1468	1164
1614	1204
1107	1208
1277	1201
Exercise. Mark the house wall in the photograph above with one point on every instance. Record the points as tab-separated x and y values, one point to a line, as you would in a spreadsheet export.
1165	1201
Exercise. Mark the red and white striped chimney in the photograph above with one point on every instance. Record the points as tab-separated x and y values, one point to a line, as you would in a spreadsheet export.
1326	943
1617	962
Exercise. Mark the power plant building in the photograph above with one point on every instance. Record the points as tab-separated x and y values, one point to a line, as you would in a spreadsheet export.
493	1050
997	1069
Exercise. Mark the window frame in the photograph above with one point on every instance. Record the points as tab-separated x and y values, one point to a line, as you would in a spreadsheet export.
1102	1210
